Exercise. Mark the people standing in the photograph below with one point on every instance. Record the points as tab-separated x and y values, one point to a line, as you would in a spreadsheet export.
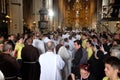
1	46
112	68
85	73
89	48
8	64
39	44
115	51
11	40
79	57
63	52
51	64
18	48
1	76
30	68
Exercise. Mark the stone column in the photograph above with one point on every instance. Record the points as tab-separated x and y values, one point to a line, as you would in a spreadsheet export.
56	13
16	16
49	6
37	5
98	19
60	13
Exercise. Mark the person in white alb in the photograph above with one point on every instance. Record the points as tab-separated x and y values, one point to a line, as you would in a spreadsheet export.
63	52
51	64
1	76
39	44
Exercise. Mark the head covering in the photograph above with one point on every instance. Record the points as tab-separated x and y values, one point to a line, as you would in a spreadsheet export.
64	36
85	67
46	40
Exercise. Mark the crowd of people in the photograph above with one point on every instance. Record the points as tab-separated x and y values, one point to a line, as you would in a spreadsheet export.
68	55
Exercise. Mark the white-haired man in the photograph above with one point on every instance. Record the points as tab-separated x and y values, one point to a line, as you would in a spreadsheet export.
51	64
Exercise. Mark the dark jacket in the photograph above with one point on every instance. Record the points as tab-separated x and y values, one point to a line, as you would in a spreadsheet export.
9	66
77	57
11	43
91	77
30	66
80	57
97	65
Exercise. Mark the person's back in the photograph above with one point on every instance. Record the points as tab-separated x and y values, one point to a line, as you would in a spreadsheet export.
79	58
8	64
39	45
1	76
63	52
51	64
30	63
97	64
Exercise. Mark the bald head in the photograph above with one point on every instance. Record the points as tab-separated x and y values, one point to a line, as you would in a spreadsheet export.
50	46
115	51
7	47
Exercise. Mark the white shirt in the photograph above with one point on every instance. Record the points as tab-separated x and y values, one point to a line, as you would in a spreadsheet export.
51	66
46	39
63	52
71	45
39	45
1	76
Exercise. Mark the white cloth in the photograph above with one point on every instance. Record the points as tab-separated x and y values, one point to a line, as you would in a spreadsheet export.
69	62
64	36
63	52
78	37
46	39
73	39
51	66
39	45
1	76
55	42
71	46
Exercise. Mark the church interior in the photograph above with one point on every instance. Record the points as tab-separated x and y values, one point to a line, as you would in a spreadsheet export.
59	39
20	16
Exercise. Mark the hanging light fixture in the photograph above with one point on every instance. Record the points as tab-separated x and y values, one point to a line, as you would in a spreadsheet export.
7	16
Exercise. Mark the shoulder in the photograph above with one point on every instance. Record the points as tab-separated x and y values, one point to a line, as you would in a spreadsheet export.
71	77
1	76
47	54
6	58
84	50
43	54
92	77
105	78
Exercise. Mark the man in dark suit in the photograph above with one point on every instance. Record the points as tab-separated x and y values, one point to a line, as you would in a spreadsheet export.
11	41
79	57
